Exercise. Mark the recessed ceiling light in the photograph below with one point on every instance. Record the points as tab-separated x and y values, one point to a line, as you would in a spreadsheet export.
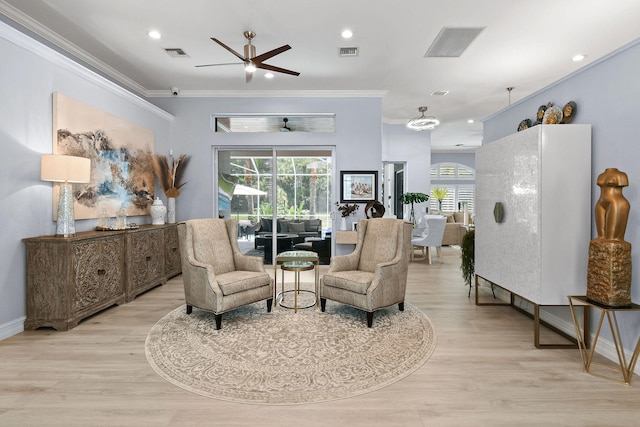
346	34
471	121
579	57
154	34
268	75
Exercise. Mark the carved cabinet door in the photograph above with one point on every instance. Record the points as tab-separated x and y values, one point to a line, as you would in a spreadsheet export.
98	272
146	267
172	260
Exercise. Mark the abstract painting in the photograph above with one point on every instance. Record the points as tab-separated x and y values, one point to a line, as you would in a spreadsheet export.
121	156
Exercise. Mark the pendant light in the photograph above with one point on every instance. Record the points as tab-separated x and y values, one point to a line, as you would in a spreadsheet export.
422	122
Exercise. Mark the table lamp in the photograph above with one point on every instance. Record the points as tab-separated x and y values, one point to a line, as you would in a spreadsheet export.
66	170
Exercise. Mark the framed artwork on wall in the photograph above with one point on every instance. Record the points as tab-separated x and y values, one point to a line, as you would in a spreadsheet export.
121	156
358	186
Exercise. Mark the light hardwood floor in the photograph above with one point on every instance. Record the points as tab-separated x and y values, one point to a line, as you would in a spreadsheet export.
485	371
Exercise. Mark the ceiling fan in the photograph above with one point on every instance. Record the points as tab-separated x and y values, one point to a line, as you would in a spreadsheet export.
250	60
285	128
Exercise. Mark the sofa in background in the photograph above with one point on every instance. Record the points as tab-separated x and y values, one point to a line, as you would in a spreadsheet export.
303	228
453	231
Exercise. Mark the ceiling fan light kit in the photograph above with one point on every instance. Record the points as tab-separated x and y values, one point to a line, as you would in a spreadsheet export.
422	122
252	61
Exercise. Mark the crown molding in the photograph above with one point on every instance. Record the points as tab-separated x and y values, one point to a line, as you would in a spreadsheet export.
64	45
268	93
26	42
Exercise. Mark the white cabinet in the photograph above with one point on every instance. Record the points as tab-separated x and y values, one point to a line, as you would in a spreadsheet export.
542	177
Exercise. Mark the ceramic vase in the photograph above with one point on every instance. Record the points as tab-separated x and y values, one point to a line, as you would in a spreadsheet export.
171	210
343	224
158	212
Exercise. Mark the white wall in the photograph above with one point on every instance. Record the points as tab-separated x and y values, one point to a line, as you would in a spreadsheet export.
357	139
467	159
400	144
607	94
29	74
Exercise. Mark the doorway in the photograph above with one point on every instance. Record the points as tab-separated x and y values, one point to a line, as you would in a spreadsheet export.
273	193
393	187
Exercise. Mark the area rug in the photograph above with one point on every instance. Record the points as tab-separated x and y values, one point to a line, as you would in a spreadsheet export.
285	358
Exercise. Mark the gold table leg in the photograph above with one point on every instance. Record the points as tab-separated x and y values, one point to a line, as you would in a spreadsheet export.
625	368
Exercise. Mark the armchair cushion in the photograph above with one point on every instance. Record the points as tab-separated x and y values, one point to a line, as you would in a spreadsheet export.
265	225
313	225
296	227
240	281
352	280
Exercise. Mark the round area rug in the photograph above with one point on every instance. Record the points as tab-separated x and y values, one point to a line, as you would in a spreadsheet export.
284	357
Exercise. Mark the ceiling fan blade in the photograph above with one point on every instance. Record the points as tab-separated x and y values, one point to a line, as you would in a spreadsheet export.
240	57
276	69
215	65
271	53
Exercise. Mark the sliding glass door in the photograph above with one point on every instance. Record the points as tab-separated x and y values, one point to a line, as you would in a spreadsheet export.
281	198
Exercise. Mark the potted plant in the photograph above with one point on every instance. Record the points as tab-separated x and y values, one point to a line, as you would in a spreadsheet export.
440	194
411	198
345	211
467	257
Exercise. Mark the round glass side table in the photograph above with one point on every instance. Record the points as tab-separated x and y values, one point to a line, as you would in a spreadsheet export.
296	267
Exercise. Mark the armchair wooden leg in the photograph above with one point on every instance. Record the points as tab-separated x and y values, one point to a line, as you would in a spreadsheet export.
369	319
323	304
218	321
189	309
401	306
269	304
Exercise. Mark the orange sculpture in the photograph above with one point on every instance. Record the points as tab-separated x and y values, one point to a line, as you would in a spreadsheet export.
612	209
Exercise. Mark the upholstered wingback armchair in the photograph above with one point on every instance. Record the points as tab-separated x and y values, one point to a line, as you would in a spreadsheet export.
216	276
374	275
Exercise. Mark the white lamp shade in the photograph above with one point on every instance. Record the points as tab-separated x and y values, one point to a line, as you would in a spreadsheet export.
59	168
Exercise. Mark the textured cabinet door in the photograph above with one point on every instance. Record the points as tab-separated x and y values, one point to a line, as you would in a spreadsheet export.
98	272
145	260
172	262
72	278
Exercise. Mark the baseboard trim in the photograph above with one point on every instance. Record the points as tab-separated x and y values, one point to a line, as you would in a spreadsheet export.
12	328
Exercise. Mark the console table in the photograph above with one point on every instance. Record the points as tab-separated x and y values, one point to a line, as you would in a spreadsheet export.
346	237
69	279
626	368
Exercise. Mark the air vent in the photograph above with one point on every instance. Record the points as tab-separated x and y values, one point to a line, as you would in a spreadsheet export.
439	93
176	52
452	42
348	51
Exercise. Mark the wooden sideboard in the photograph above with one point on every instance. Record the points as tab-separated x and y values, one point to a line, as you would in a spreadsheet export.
69	279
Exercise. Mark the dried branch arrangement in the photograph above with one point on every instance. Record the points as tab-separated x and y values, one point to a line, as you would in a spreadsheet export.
170	172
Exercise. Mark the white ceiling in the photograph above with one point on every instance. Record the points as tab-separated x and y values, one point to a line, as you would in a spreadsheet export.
525	44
